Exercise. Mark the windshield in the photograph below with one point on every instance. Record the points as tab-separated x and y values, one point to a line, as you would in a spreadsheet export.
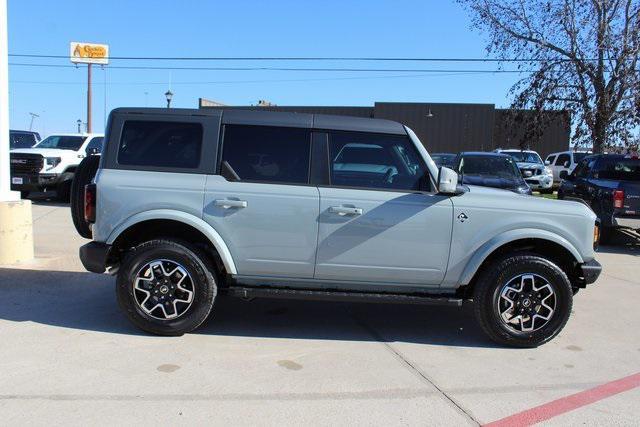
490	167
619	169
577	157
524	156
62	142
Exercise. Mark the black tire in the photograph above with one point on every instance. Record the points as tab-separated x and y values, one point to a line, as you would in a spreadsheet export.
199	268
84	174
606	235
24	194
63	191
487	295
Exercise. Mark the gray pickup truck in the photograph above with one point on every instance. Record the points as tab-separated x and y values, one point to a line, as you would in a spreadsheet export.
189	204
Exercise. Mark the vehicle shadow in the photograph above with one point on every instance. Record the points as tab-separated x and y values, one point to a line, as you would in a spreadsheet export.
87	301
622	242
46	199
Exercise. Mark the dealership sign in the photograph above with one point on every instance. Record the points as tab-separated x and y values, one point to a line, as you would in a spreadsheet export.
89	53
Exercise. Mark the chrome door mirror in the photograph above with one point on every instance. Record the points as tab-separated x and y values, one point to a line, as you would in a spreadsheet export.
447	181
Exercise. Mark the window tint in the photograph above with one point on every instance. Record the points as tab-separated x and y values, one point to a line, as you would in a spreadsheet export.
619	169
22	140
161	144
563	158
94	146
374	161
63	142
268	154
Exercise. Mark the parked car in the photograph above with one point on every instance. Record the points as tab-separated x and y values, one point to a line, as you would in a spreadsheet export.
444	159
189	204
564	161
22	139
491	170
538	175
51	163
610	184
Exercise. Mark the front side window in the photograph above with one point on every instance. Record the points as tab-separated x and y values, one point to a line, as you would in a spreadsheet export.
62	142
374	161
267	153
550	159
562	158
160	144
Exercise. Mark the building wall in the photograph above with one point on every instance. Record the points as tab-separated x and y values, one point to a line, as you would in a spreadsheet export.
451	128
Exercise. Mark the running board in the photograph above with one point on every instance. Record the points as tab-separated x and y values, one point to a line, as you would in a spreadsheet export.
328	295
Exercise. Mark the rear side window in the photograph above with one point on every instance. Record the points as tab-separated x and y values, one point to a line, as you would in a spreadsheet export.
374	161
160	144
268	154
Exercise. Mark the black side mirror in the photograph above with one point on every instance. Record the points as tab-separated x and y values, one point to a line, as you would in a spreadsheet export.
565	175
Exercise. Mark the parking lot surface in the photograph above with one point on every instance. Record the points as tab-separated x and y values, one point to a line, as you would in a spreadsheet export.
69	355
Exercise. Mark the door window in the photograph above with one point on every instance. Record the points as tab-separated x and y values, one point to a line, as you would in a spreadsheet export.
563	158
375	161
550	159
94	146
267	154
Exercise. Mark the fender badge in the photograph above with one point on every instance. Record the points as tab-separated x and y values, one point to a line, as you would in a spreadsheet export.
463	217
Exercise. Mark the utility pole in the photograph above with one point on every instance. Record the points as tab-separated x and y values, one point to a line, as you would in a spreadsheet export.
33	116
5	178
89	97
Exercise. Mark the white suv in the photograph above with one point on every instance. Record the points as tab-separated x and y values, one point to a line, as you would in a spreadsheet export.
537	174
52	162
564	161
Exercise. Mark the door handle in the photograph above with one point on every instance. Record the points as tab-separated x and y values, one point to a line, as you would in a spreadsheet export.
343	210
227	204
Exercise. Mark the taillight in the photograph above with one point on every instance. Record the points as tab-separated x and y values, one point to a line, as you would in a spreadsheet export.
90	203
618	199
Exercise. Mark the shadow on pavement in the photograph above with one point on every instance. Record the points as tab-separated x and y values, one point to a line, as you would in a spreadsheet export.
87	301
622	242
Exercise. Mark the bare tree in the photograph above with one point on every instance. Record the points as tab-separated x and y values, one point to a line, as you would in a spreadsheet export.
579	55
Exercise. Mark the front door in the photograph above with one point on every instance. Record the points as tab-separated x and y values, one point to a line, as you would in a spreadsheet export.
379	221
264	209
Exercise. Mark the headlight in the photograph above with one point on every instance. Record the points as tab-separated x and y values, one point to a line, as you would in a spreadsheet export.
52	162
547	170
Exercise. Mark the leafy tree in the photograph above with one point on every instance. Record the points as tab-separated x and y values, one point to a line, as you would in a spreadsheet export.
580	55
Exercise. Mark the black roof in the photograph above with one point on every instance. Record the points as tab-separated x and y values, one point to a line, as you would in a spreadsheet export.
276	118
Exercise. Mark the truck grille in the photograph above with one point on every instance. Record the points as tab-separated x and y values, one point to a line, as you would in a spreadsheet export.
26	163
534	172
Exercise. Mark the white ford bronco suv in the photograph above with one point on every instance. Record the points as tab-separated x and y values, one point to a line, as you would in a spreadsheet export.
189	204
50	164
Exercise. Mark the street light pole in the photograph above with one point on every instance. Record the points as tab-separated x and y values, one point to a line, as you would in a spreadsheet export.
89	97
168	94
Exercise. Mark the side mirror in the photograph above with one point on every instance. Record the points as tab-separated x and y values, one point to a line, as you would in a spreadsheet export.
447	181
547	162
565	175
566	164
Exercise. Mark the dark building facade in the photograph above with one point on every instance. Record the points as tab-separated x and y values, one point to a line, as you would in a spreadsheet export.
451	128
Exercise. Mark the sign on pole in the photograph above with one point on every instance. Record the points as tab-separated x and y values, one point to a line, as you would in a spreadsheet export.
88	53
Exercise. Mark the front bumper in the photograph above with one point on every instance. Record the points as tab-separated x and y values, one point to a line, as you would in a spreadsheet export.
590	271
94	256
35	182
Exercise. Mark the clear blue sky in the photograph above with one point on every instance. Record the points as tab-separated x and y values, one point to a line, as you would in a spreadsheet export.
422	28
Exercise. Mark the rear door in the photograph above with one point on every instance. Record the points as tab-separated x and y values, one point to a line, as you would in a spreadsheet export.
262	203
379	222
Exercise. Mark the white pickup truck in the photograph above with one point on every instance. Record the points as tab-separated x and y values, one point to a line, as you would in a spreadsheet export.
51	164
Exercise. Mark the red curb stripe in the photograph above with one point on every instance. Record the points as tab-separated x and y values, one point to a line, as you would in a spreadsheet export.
568	403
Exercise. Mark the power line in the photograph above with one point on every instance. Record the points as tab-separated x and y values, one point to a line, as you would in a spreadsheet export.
301	58
350	70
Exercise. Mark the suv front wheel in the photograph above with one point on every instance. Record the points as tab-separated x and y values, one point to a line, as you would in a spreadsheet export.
166	287
522	300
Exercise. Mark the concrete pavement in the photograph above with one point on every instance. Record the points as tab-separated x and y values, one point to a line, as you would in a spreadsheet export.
69	356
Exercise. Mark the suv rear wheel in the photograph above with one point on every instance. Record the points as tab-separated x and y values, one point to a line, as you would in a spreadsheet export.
522	300
166	287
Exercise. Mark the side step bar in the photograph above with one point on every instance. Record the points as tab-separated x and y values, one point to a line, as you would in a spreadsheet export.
329	295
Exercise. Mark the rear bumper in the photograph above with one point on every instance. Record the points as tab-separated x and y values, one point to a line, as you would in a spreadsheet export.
94	256
591	271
